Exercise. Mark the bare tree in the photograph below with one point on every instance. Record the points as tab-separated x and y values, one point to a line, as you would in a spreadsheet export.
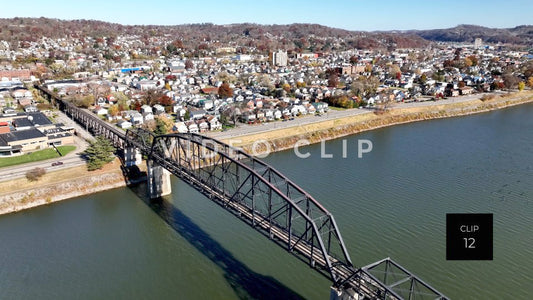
98	90
35	174
511	81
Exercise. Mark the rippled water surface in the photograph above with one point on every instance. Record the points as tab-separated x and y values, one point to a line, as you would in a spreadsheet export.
390	203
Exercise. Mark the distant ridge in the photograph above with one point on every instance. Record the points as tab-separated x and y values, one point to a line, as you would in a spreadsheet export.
521	35
300	37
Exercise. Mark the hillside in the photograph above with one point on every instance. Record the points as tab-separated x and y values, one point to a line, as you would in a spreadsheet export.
297	37
467	33
300	37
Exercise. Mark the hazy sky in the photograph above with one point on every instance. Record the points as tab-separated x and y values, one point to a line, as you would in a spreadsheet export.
348	14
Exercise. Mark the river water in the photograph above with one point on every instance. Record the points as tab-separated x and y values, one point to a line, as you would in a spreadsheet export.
392	202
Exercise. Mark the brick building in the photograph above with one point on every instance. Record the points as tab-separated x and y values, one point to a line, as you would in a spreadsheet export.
23	74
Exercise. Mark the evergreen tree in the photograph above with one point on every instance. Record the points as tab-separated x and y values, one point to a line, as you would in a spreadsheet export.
99	153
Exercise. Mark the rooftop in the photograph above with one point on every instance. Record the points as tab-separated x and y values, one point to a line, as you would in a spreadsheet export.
21	135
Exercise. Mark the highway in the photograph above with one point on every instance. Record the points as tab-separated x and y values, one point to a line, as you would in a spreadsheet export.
13	172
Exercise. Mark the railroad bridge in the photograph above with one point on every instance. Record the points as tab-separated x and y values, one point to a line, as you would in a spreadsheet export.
263	198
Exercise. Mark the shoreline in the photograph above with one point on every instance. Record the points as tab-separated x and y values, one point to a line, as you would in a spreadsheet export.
63	185
19	194
285	138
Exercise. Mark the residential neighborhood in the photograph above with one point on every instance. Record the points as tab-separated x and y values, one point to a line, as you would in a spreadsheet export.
220	87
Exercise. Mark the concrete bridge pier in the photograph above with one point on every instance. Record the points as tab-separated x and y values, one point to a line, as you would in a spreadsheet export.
132	157
342	294
158	180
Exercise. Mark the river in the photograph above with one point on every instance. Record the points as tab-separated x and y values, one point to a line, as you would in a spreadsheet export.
392	202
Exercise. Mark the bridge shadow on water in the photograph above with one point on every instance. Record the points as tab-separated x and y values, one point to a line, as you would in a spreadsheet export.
246	283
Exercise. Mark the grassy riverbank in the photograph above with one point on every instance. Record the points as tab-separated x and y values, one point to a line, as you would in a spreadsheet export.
20	193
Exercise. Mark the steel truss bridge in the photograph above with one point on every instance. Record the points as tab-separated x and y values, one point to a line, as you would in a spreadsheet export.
267	201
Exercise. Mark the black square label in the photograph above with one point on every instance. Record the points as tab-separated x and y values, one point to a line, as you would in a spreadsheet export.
469	236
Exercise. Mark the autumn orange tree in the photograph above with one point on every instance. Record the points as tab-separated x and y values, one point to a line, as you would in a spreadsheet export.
165	100
225	91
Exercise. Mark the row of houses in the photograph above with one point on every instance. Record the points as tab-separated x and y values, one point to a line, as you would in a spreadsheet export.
207	123
271	114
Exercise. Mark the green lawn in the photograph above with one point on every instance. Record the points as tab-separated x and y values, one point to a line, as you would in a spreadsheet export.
35	156
64	150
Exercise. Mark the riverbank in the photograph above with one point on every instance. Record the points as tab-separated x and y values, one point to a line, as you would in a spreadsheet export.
285	138
19	194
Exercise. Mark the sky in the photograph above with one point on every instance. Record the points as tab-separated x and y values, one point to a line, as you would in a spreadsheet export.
365	15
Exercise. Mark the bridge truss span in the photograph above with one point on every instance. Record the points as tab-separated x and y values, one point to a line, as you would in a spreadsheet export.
255	192
264	199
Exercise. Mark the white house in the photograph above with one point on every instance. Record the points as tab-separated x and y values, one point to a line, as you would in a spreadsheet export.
206	104
136	118
180	113
277	114
320	107
180	127
148	116
159	109
100	111
124	124
269	114
202	124
146	109
197	114
144	85
191	126
214	123
294	110
310	108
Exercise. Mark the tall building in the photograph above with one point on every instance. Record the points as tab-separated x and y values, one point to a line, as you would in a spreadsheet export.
279	58
478	43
